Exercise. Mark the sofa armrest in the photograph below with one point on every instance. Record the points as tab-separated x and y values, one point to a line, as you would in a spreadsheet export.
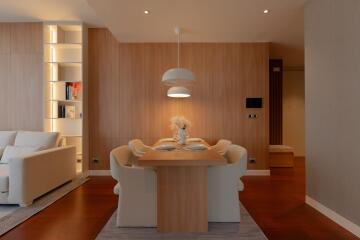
34	175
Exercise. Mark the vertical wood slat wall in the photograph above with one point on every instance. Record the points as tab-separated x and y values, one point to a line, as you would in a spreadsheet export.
21	85
276	79
127	99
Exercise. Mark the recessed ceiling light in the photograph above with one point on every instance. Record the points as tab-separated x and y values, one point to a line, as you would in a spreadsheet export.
146	12
266	11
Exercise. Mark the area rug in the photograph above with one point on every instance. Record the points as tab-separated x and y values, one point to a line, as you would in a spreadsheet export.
246	229
13	215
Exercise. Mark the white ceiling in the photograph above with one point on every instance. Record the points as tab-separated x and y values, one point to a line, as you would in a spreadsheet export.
48	10
202	20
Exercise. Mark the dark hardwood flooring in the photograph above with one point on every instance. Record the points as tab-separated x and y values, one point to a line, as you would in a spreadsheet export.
79	215
276	203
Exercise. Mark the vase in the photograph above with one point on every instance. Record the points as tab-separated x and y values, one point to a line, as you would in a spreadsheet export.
181	136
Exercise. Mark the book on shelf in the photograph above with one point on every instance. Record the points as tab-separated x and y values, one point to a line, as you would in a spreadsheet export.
72	90
61	111
70	112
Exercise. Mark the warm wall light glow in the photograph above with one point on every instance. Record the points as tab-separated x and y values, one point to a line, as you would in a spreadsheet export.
53	34
266	11
54	72
52	54
146	12
52	112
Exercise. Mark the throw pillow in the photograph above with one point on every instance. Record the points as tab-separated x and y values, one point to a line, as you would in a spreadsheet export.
7	138
45	140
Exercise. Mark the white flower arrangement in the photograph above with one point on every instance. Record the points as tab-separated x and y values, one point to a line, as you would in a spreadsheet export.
179	122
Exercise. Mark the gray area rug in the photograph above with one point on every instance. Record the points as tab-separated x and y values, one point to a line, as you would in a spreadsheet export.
246	229
21	214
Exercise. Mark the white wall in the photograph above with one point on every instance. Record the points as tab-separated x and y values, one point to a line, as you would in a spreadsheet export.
294	110
332	100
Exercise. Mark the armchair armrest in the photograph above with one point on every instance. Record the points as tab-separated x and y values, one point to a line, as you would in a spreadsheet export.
34	175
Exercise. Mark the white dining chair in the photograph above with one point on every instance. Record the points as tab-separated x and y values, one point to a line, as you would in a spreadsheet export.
138	149
223	186
221	146
136	187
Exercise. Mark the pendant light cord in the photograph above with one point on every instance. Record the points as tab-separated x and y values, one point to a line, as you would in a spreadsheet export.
178	50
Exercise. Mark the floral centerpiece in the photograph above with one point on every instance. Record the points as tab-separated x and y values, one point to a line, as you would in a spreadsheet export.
179	124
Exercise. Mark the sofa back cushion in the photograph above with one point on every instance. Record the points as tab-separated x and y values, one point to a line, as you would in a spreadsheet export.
1	151
41	140
15	152
7	138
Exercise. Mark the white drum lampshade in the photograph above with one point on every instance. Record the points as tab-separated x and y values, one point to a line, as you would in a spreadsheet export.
178	76
178	92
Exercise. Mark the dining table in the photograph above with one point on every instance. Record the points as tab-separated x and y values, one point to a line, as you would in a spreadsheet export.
182	185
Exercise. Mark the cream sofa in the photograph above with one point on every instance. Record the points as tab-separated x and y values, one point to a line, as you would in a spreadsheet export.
34	165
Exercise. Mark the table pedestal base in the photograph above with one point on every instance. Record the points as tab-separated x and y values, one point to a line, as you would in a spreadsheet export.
182	194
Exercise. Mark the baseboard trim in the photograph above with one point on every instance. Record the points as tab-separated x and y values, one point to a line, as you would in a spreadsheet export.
345	223
99	173
264	172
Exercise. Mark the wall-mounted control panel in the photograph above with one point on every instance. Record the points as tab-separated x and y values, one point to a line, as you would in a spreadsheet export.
254	103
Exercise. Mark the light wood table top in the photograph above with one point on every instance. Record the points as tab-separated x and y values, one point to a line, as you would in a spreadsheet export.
181	157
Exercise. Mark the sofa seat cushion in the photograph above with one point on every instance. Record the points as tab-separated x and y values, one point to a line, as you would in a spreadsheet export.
16	152
42	140
7	138
4	177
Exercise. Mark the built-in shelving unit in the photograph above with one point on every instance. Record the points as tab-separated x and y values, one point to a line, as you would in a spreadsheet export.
64	88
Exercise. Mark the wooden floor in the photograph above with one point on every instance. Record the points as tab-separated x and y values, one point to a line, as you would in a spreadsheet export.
276	203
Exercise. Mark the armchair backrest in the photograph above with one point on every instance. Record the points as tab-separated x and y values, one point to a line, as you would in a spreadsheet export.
237	155
119	157
221	146
138	148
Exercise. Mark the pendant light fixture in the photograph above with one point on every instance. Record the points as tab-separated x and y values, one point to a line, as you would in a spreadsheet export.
178	78
178	92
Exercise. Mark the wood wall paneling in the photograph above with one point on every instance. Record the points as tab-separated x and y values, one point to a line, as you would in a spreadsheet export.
276	101
21	76
127	99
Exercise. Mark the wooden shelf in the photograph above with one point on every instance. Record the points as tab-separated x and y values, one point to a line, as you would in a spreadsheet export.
55	118
70	101
65	81
65	62
65	45
63	65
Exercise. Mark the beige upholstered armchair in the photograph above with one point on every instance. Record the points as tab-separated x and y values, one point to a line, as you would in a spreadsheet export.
138	148
221	146
223	186
136	189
